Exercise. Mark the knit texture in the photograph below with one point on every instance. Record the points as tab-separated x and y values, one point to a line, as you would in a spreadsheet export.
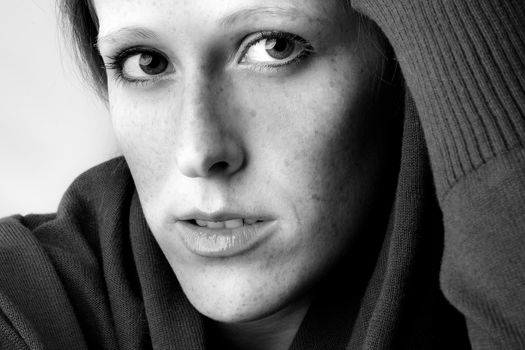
446	271
464	63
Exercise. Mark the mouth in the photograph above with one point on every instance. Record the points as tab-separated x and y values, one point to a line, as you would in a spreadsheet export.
224	238
233	223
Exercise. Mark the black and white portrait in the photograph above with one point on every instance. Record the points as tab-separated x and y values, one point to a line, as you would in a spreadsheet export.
249	174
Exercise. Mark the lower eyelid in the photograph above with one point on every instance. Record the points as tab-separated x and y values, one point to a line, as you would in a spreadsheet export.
152	81
276	66
119	78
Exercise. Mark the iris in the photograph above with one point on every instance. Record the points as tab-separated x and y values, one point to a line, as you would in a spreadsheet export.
152	64
279	48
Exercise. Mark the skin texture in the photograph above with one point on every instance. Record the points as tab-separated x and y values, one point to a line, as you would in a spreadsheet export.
301	144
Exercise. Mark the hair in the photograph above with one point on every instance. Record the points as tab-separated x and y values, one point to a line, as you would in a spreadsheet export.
79	23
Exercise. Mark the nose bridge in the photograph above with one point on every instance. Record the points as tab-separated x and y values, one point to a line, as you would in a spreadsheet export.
205	146
197	115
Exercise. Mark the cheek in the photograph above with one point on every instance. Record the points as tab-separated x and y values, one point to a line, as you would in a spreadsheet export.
142	131
314	139
328	146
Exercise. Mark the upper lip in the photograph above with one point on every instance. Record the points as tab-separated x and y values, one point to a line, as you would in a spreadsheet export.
216	216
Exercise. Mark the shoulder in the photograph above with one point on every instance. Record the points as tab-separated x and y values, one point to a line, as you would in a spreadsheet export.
87	199
46	261
34	243
94	198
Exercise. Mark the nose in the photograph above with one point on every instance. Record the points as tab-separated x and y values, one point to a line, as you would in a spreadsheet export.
207	144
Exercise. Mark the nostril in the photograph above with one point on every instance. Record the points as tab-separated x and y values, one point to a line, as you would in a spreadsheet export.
219	167
198	158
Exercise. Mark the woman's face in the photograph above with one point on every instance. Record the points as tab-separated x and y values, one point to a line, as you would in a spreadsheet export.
250	130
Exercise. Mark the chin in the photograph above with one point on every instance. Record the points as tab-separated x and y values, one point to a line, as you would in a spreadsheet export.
237	296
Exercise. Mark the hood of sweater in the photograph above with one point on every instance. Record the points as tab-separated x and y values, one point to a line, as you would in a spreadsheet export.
122	293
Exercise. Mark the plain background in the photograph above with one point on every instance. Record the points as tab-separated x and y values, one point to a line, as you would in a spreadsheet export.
52	127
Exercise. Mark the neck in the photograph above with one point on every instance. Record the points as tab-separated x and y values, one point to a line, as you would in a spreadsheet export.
275	331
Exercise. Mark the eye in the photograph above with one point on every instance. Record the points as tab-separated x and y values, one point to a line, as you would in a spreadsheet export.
274	49
144	64
140	65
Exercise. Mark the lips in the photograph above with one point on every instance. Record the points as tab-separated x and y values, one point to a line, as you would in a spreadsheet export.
233	235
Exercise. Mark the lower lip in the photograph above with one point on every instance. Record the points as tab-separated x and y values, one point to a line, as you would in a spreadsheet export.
224	242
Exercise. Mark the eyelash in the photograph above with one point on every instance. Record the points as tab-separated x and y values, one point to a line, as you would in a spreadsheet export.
116	62
307	51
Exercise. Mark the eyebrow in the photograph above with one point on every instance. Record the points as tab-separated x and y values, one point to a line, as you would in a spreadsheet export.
126	34
131	33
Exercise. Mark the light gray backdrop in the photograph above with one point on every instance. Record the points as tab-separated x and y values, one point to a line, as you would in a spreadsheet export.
51	126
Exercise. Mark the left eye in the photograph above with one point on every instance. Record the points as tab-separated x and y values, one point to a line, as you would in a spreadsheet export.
144	64
274	49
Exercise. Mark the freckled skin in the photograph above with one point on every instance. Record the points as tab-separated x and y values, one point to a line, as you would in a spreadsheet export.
307	139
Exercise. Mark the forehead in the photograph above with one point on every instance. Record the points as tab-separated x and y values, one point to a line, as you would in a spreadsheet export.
193	15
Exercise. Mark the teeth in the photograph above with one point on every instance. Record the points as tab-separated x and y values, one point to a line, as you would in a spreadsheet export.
202	223
235	223
215	224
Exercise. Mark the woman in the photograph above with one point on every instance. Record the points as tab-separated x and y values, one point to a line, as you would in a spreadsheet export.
275	190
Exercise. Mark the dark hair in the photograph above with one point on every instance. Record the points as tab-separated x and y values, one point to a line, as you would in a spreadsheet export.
80	27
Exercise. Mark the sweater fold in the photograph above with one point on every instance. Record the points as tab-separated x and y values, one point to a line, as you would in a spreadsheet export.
464	63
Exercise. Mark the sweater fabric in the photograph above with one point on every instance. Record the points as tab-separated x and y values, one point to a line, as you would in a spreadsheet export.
448	272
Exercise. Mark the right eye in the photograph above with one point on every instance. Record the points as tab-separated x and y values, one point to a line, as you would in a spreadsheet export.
140	65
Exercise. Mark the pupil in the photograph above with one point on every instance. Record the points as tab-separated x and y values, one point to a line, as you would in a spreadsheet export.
279	48
280	45
152	64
